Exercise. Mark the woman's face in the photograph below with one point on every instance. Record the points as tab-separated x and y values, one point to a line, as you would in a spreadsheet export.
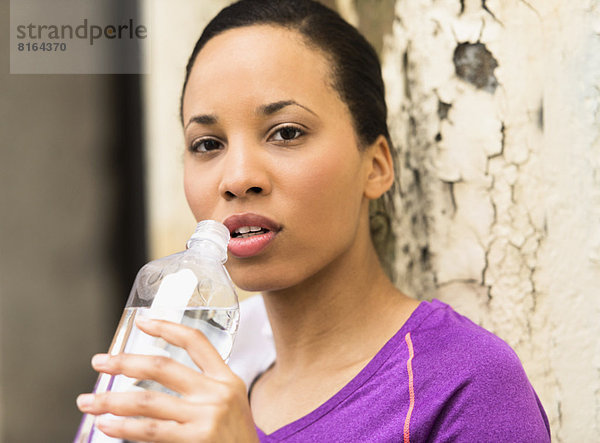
270	145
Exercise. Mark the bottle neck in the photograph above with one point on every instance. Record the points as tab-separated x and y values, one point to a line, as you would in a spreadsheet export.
207	249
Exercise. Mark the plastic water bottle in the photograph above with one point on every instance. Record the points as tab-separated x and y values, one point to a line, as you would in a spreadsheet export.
190	287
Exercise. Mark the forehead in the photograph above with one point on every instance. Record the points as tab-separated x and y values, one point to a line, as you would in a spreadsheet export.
260	59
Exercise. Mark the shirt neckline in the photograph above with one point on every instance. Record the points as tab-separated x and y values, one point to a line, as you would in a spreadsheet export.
418	315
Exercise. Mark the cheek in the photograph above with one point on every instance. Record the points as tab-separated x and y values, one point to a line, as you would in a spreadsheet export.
198	192
327	189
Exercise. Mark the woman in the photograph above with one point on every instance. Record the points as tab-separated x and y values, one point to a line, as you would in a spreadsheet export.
285	126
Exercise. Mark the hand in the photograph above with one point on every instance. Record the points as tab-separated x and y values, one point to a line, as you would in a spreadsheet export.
213	405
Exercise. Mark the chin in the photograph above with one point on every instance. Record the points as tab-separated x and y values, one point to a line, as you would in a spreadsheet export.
257	280
260	284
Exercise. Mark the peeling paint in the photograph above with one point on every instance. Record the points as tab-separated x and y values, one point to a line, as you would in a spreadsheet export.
475	64
496	106
443	109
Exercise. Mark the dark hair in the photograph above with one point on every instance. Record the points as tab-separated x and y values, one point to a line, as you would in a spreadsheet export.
355	69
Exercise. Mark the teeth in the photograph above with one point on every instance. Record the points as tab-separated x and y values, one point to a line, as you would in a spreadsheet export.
247	231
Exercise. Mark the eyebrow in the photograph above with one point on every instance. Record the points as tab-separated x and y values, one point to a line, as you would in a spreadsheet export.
272	108
204	119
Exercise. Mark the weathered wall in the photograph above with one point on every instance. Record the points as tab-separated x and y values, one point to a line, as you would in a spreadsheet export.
494	110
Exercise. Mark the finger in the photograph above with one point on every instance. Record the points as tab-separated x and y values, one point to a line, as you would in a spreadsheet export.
142	403
199	348
166	371
142	429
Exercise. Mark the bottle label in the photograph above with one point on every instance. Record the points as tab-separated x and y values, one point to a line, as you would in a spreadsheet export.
169	304
173	296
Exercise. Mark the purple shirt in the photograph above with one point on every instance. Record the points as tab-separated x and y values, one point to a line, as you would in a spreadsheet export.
439	378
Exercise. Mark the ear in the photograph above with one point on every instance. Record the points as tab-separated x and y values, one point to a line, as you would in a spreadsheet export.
380	168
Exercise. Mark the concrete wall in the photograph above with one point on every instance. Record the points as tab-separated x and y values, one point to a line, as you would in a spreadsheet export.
56	276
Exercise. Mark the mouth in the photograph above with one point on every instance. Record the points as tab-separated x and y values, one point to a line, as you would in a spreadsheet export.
250	234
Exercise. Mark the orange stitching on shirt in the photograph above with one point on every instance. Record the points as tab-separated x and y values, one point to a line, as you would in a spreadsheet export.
411	388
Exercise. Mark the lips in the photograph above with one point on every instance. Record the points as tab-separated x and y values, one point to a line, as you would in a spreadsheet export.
250	234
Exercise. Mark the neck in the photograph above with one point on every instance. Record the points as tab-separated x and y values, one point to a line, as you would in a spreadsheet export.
338	317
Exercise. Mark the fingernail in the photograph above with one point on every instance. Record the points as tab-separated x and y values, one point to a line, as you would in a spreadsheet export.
84	401
106	421
145	322
100	360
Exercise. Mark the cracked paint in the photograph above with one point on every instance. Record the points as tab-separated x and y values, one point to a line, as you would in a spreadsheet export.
494	107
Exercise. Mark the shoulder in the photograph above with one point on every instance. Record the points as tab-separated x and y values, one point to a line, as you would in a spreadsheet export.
473	381
454	340
450	348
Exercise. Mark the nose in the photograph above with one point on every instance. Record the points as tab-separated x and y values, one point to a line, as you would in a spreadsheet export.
244	172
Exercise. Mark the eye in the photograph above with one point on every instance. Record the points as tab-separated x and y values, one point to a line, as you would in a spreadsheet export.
205	145
287	133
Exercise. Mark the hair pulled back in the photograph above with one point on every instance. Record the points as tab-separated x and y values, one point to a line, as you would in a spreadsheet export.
356	77
354	63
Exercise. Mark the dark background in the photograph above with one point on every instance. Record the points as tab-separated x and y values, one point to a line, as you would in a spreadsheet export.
71	236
